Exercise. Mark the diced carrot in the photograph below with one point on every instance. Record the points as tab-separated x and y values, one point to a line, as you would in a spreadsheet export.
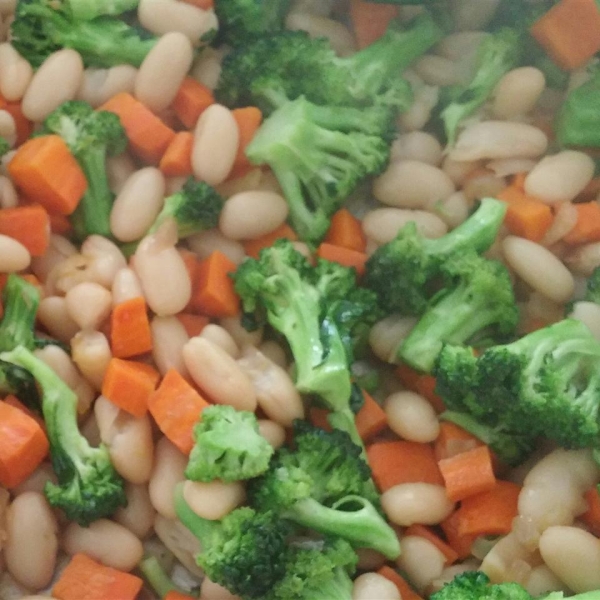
346	231
408	376
85	579
16	403
148	136
128	384
591	517
397	462
318	417
193	324
253	247
46	172
468	473
430	535
248	120
176	407
214	294
192	99
453	440
29	225
491	512
370	20
528	218
130	333
426	387
59	224
406	591
587	227
569	32
23	126
177	159
23	445
370	419
174	594
343	256
459	542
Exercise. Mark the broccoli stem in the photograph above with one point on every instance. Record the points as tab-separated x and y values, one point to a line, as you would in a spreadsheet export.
157	577
202	529
345	420
364	527
86	10
20	300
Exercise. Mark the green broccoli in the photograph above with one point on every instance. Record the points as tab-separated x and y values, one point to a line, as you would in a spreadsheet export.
86	10
20	300
158	578
42	27
476	303
319	155
403	271
317	571
299	301
19	382
227	446
497	55
291	64
592	288
4	146
88	485
91	136
325	484
242	551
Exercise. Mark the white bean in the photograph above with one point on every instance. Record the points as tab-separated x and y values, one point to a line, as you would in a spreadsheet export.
417	145
91	353
168	339
473	14
167	472
215	499
206	242
409	503
239	333
459	170
209	590
560	177
163	70
412	417
105	541
438	70
216	139
372	586
584	259
56	81
588	313
138	515
453	210
537	266
180	541
207	69
54	316
89	304
420	560
13	255
385	336
273	432
98	85
8	195
119	169
15	73
383	224
426	98
518	92
461	44
274	352
542	581
8	128
58	250
221	337
126	286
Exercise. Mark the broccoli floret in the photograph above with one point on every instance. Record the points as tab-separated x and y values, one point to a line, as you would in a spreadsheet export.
157	577
296	65
498	54
227	446
42	27
19	382
242	551
592	290
4	146
20	300
91	136
86	10
319	155
241	21
477	303
88	485
295	298
475	585
325	484
403	271
194	208
320	571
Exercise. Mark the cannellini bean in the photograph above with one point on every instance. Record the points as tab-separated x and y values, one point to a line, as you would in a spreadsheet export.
537	266
483	185
240	334
138	515
518	92
180	541
13	255
542	580
372	586
426	98
273	432
461	44
167	472
89	304
8	195
560	177
168	339
386	335
206	242
119	169
276	393
15	73
126	286
218	374
499	139
588	313
209	590
382	225
105	541
459	170
90	351
473	14
584	259
438	70
215	499
207	69
274	352
54	316
31	540
58	250
503	167
412	417
8	127
98	85
508	560
420	560
418	146
35	482
221	337
573	555
453	210
409	503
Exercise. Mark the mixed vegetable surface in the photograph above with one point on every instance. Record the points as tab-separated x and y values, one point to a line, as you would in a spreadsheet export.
383	385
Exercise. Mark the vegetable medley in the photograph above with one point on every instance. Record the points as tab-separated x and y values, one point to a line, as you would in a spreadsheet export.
300	300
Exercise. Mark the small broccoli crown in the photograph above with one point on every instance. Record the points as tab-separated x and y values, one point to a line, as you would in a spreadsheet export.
20	300
475	585
194	208
18	381
227	446
317	158
86	10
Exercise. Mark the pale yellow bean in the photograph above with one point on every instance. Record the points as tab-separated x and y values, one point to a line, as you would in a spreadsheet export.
126	286
453	210
209	590
573	555
250	215
340	38
168	339
458	170
98	85
518	92
105	541
163	70
129	440
90	351
275	391
426	98
15	73
56	81
273	432
180	541
54	316
560	177
483	185
438	70
588	313
8	195
274	352
471	15
409	503
411	417
206	242
215	499
421	561
239	333
162	272
216	139
36	481
8	128
222	338
31	546
417	145
584	259
542	580
510	166
89	304
372	586
90	431
382	225
538	267
13	255
138	515
207	69
462	44
119	169
59	249
369	559
218	374
386	335
137	204
167	472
